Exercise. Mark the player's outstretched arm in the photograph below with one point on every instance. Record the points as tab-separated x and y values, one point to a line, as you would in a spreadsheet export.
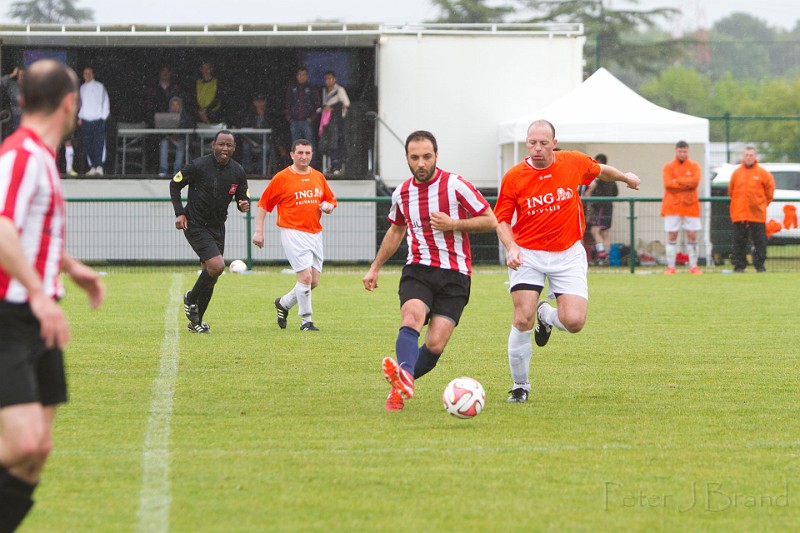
389	245
86	278
609	173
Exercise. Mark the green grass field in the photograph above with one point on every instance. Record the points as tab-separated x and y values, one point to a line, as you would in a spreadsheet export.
674	410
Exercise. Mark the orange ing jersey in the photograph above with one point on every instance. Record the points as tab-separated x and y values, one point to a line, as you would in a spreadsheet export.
680	189
546	202
297	197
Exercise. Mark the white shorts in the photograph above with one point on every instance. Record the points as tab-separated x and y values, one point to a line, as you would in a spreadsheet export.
565	271
676	222
303	250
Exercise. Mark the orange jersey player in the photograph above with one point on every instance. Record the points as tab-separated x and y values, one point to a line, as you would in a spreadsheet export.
301	195
545	243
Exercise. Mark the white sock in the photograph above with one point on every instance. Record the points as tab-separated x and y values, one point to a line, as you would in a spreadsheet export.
289	299
69	156
672	250
520	351
692	249
599	248
549	315
303	293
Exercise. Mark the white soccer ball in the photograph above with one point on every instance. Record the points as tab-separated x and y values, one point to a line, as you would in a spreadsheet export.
238	266
463	397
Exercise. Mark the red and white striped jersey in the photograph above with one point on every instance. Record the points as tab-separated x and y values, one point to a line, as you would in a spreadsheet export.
412	205
31	196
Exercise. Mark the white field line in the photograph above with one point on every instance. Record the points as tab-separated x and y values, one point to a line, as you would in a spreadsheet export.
155	497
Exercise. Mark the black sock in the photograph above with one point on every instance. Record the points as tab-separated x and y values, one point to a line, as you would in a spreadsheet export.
15	500
205	299
425	361
202	291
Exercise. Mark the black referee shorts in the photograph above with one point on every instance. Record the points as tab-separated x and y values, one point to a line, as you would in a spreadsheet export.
29	371
444	291
206	241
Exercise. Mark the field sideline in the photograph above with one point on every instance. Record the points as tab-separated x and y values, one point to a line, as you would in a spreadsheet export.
675	409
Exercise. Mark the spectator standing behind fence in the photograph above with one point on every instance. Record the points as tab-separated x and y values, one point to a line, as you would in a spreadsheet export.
301	105
214	180
95	108
208	96
178	141
335	104
256	118
160	94
33	327
751	190
10	84
301	195
545	243
601	213
680	206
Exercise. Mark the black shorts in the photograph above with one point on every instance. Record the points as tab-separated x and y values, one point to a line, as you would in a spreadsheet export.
444	291
601	215
206	241
29	371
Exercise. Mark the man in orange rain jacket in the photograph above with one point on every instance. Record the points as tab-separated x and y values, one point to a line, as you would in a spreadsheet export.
751	190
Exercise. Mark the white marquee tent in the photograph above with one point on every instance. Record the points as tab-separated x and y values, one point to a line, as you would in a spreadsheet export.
603	115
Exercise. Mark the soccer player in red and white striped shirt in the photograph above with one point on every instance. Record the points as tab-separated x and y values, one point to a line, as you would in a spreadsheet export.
434	210
33	328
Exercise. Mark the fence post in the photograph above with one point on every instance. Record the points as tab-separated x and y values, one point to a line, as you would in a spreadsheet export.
728	137
633	255
249	243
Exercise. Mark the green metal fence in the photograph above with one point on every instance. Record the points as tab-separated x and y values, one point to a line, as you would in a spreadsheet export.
136	233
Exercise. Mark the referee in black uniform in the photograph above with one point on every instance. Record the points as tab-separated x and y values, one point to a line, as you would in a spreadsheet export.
213	180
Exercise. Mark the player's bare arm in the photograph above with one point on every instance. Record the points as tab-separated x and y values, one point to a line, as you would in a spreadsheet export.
609	173
506	236
389	245
258	234
86	278
484	222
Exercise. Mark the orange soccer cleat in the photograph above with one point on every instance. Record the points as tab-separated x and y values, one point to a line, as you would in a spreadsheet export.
395	401
670	270
398	378
695	270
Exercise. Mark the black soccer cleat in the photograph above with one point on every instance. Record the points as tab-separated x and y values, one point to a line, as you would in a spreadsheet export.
190	309
308	326
282	313
202	327
518	395
541	332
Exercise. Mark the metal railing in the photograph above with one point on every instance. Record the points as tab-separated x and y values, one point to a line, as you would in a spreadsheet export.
140	232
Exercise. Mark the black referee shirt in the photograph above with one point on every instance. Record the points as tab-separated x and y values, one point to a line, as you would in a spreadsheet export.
211	188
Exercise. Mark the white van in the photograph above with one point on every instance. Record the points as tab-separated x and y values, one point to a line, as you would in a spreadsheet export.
787	187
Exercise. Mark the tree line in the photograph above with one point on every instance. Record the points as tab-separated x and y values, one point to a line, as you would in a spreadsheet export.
739	67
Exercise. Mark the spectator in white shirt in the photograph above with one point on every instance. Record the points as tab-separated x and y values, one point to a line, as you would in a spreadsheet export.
92	117
335	104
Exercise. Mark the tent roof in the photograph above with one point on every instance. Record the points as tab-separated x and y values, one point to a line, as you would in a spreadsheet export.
604	110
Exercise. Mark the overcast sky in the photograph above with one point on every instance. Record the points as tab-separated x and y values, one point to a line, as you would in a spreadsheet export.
779	13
